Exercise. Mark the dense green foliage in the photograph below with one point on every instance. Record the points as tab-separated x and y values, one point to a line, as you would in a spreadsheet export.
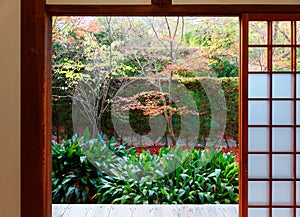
217	41
190	183
230	91
124	47
74	178
199	179
197	88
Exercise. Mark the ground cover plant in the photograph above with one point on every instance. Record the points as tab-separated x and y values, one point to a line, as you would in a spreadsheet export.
73	176
198	180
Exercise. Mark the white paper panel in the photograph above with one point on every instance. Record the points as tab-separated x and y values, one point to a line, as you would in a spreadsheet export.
298	112
255	212
98	2
298	212
282	193
298	165
240	2
282	166
258	193
260	161
298	139
298	84
258	112
282	112
282	139
282	212
258	139
282	86
298	193
259	85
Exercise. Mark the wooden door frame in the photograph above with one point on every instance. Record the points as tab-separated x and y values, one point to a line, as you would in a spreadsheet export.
36	86
269	45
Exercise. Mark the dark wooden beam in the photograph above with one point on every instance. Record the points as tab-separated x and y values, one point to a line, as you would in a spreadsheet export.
164	8
35	109
243	117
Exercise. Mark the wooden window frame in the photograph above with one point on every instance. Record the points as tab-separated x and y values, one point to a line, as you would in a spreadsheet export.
36	196
270	45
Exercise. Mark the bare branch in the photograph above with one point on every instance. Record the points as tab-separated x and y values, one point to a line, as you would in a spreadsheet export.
156	34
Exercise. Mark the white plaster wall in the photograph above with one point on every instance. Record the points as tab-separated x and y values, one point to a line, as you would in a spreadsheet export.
9	108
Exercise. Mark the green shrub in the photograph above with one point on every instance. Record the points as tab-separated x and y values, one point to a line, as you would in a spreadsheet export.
191	183
73	176
203	176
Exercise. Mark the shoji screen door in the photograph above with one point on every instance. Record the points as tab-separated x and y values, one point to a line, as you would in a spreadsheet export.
270	97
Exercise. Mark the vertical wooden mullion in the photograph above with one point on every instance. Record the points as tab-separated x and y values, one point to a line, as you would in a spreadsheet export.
243	117
36	197
161	3
155	2
293	68
270	70
166	2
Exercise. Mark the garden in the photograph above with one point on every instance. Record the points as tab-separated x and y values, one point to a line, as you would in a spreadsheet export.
145	110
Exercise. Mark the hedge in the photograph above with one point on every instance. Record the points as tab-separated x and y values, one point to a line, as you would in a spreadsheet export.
199	88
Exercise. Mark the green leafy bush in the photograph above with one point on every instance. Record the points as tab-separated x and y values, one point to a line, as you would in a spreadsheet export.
191	183
73	176
203	177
